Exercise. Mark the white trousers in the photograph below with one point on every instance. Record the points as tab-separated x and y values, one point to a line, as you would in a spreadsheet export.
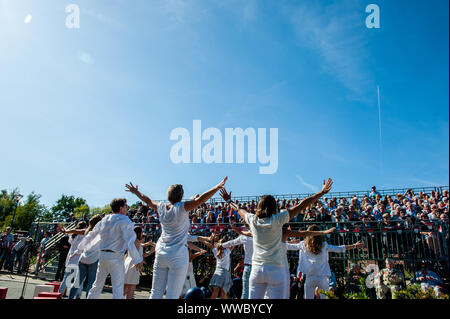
312	282
269	282
169	274
109	263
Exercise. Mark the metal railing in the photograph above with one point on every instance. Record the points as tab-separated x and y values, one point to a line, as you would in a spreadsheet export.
51	250
407	244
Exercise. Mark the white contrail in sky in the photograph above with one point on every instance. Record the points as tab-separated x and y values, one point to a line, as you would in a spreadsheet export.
311	187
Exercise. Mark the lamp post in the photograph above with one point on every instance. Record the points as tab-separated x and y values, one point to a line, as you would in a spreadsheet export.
18	197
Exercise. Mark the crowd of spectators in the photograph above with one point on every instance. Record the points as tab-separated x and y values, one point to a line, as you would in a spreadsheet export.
13	249
371	211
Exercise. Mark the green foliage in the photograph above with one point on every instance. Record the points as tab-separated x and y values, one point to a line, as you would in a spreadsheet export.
361	294
27	211
66	205
7	203
416	292
81	210
100	210
328	294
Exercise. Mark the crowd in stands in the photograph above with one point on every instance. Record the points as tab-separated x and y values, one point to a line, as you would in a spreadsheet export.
371	211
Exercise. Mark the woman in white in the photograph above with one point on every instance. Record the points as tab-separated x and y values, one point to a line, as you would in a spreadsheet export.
270	272
247	237
246	240
132	275
313	261
172	256
221	281
87	263
72	259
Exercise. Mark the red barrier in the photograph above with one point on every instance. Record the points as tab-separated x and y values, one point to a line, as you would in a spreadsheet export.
3	292
56	295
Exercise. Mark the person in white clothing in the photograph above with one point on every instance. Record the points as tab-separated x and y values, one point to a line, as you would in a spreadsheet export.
313	261
112	236
246	236
132	275
221	281
171	255
247	241
72	259
270	272
87	263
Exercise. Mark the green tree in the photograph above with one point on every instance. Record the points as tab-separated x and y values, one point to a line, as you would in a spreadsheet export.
66	205
7	203
28	212
81	210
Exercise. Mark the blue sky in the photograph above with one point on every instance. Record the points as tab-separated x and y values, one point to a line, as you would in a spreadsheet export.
83	111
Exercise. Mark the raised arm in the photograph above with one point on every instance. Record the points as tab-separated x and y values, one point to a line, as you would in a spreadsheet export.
194	247
73	231
354	246
197	254
227	197
241	232
305	203
304	233
206	241
134	190
196	202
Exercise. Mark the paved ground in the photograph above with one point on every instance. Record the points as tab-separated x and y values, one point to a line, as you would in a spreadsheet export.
14	283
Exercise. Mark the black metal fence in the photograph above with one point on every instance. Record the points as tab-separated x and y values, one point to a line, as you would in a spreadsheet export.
407	244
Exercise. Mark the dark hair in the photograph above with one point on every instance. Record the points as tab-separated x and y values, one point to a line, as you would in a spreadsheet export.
138	231
92	222
175	193
143	209
267	206
117	204
80	225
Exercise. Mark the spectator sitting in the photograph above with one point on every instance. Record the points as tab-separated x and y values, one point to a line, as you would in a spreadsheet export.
428	279
389	281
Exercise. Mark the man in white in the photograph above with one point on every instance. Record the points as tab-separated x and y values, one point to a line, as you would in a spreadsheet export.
113	235
171	254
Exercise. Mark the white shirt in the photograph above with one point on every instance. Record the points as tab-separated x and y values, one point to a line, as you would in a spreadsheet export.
90	256
224	262
316	265
114	232
268	249
175	226
247	242
74	243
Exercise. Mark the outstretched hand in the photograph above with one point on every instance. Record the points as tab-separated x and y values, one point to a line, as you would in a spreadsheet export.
359	245
226	196
222	183
326	186
330	231
131	188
